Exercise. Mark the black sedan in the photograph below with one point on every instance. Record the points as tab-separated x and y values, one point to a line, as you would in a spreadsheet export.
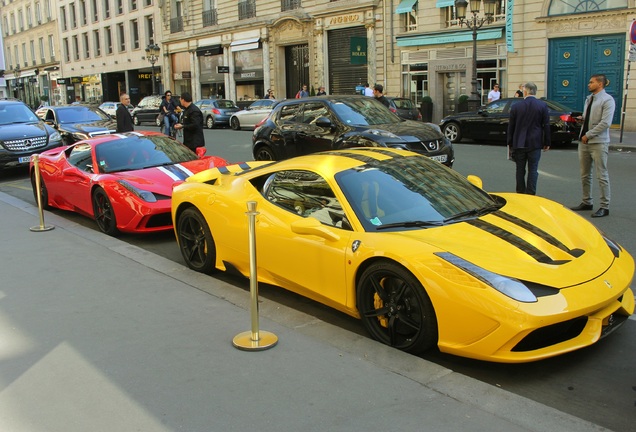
490	123
301	126
23	134
77	122
405	108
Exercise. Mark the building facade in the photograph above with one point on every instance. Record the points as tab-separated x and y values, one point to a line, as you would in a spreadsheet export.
30	42
238	49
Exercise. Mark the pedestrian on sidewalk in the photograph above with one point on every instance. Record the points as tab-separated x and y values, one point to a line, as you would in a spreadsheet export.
192	123
122	115
378	93
594	144
528	134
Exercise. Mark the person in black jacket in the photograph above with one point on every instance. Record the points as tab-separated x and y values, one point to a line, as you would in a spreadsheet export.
378	93
191	123
124	119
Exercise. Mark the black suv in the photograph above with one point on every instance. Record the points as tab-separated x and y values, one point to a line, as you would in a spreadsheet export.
147	110
301	126
22	134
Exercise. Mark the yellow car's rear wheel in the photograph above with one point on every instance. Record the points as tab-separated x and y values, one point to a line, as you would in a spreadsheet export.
195	241
395	308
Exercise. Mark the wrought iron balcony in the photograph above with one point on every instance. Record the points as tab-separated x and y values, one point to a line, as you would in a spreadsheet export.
247	9
176	24
209	18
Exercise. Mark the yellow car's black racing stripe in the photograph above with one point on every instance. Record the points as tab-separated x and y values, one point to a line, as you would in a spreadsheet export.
515	241
539	233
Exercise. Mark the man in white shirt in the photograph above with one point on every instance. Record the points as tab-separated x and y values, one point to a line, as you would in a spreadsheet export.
494	94
368	91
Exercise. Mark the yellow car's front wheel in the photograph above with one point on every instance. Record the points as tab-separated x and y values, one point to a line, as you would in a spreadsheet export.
195	241
395	308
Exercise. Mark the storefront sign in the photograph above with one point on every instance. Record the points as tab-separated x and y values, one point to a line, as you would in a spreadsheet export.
61	81
358	50
351	18
144	76
223	69
76	80
186	74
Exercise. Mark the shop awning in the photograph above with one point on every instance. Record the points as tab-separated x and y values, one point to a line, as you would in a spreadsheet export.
405	6
245	44
460	36
209	50
444	3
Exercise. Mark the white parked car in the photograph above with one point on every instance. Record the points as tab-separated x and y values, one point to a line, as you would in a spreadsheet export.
110	108
252	115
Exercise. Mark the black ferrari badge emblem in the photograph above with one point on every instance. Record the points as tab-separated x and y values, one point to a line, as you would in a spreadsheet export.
355	245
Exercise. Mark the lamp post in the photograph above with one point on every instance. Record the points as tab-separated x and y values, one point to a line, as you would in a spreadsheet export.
152	54
474	23
16	73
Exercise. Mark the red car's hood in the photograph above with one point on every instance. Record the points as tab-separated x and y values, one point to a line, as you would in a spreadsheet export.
160	180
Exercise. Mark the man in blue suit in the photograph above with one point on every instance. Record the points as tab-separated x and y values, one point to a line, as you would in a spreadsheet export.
528	134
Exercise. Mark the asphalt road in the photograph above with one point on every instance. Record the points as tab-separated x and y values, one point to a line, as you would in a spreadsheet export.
597	384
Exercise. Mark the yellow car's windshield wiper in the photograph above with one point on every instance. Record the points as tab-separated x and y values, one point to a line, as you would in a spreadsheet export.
410	224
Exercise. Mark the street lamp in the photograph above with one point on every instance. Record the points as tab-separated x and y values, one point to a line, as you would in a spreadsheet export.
152	54
16	73
474	23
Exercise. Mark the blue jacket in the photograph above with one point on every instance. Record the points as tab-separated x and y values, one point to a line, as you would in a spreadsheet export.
529	125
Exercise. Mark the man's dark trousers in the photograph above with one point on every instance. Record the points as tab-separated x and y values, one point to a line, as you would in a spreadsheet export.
531	157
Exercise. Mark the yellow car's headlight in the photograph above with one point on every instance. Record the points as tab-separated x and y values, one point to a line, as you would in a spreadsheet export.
512	288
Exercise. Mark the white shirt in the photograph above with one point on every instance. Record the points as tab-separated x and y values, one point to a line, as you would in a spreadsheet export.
368	91
494	95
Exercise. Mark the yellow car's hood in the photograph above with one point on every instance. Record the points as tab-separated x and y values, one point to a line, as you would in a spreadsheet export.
554	253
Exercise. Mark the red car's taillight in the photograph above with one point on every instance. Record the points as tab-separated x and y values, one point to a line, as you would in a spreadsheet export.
216	111
260	123
393	110
568	118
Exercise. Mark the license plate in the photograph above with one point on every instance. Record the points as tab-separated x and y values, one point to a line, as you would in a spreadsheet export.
441	158
24	159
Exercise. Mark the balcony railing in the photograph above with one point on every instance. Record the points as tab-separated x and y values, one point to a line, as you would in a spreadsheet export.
209	18
247	9
176	25
289	4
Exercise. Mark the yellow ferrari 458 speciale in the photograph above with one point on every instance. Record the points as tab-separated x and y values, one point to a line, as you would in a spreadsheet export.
422	255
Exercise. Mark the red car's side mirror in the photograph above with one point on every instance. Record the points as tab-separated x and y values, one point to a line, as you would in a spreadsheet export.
200	151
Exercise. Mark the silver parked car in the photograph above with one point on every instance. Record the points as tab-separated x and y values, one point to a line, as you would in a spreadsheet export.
216	111
253	114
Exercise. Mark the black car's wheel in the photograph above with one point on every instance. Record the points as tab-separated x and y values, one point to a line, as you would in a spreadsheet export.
195	241
395	308
453	132
209	122
264	153
104	213
136	120
235	123
44	194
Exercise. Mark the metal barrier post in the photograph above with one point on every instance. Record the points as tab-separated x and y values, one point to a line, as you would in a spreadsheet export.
254	340
38	194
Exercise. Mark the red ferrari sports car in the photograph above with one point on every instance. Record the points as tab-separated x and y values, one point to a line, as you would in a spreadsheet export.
123	181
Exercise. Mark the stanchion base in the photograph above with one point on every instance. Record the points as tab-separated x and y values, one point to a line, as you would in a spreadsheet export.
243	341
40	228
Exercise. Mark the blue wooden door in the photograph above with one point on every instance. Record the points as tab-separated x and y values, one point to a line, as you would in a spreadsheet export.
573	60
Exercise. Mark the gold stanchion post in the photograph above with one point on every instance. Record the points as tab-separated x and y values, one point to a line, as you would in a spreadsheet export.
38	194
254	340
